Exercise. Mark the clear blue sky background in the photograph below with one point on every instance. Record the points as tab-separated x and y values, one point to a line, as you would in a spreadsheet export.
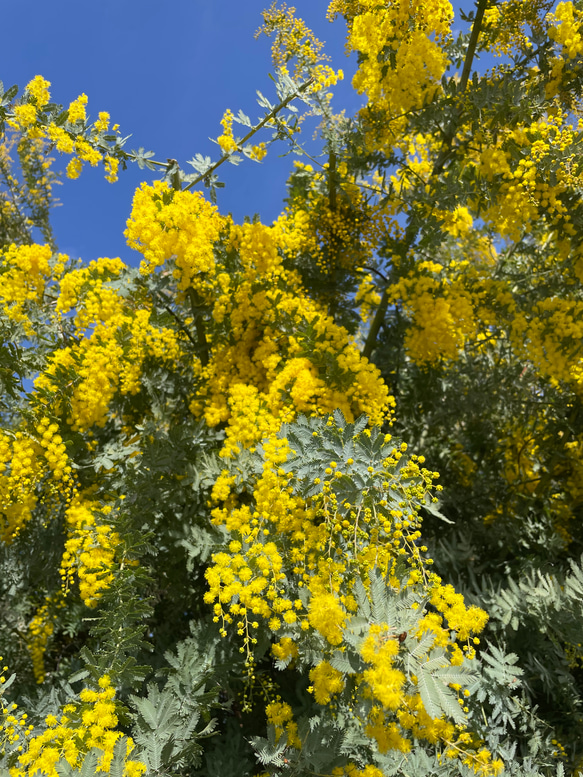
165	72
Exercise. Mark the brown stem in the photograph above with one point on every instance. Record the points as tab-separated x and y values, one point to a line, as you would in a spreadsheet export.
203	347
181	325
376	325
465	77
475	34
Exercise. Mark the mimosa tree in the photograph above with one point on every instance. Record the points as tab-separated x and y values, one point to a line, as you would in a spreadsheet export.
305	498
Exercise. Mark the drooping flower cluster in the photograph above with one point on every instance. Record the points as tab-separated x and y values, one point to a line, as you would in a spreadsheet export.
89	550
299	553
25	270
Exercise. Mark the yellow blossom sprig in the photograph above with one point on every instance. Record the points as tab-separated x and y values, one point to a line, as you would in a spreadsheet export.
37	118
15	731
295	41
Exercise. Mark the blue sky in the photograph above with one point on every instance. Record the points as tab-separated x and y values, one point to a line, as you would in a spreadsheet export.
165	72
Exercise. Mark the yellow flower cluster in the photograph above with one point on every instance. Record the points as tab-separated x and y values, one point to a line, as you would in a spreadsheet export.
454	304
24	271
456	222
281	542
38	89
255	368
24	120
73	392
111	168
226	141
325	613
285	650
418	151
89	550
20	470
293	39
395	711
442	313
506	24
55	452
481	761
396	716
27	119
280	715
97	367
326	681
461	619
13	727
567	28
566	25
90	553
253	573
550	339
249	577
83	725
407	77
515	162
40	630
325	77
524	193
263	312
61	138
384	680
332	222
27	458
386	733
258	152
77	110
115	341
168	224
84	290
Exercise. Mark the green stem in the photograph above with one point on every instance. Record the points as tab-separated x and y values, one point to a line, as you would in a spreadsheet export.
410	236
332	243
270	116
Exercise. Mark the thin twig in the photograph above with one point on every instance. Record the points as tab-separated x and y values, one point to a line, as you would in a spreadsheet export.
181	325
270	116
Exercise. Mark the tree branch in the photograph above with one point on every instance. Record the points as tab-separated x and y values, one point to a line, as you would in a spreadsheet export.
203	347
465	77
270	116
437	167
